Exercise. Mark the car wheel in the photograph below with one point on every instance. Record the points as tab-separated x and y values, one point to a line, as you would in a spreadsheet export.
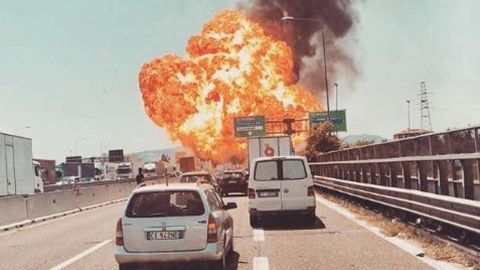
253	221
126	267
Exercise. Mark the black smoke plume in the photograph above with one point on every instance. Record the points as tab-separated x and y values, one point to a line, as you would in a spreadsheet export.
305	37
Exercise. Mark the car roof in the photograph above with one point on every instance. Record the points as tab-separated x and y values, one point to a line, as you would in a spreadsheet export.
278	158
196	173
234	171
174	186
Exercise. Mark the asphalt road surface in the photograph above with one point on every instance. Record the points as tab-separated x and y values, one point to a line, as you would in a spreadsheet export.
86	241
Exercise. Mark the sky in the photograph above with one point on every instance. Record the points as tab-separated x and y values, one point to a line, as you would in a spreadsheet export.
69	69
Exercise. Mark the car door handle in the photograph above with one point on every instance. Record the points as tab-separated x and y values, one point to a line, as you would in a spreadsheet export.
202	222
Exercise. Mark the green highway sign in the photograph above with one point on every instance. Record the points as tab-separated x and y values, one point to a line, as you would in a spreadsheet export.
249	126
338	119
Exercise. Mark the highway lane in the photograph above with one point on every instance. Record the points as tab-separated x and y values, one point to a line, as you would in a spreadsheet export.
334	242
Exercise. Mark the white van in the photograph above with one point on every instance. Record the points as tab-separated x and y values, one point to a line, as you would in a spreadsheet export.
280	185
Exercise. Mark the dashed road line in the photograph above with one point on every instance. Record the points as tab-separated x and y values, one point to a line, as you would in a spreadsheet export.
81	255
260	263
258	235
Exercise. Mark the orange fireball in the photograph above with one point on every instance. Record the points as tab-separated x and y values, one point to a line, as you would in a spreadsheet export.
232	69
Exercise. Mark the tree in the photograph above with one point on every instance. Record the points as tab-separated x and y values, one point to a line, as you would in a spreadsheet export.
320	140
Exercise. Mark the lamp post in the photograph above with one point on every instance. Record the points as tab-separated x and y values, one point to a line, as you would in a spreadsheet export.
408	102
336	96
18	129
290	18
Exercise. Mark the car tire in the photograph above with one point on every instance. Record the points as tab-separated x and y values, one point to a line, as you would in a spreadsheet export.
127	267
253	221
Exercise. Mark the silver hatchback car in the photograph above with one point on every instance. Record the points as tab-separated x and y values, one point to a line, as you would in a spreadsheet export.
175	223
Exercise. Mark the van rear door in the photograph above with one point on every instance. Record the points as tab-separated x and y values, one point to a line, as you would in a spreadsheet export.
267	186
294	184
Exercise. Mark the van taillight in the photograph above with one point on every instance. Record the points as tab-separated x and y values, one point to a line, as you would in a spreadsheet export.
311	191
212	230
119	233
251	193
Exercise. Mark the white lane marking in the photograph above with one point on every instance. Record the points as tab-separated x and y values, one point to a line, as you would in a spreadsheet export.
258	235
405	245
260	263
79	256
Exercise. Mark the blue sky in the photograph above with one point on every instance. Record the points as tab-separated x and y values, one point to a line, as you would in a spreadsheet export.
69	69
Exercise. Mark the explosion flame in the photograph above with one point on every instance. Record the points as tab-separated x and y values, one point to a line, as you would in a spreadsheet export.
232	69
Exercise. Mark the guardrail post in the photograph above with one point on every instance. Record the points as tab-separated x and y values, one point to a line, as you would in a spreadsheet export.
468	187
393	175
423	171
373	174
443	176
407	175
381	172
364	174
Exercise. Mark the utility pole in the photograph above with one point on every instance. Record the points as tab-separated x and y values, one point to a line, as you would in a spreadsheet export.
408	102
336	96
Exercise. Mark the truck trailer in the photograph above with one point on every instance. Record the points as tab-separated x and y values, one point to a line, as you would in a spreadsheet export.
269	147
17	175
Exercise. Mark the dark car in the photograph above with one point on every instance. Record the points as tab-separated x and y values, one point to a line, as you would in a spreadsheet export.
233	181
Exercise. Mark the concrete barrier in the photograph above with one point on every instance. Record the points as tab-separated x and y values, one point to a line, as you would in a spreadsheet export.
12	210
87	196
45	204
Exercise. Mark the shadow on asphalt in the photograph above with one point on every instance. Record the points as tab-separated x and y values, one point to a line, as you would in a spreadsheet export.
233	262
290	223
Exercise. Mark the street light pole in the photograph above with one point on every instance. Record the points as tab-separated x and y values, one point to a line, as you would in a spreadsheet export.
336	96
408	102
290	18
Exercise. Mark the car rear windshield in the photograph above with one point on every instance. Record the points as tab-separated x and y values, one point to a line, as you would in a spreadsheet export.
291	169
232	174
165	204
195	178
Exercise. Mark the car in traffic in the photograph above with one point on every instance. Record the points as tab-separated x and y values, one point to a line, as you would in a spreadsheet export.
198	176
280	185
175	223
233	181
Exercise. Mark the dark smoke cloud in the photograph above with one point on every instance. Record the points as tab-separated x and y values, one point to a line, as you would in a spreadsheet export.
305	37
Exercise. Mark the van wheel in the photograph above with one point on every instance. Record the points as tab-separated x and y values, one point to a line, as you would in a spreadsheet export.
253	221
127	267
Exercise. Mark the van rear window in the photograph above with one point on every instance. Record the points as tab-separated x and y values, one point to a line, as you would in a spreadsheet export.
165	204
291	169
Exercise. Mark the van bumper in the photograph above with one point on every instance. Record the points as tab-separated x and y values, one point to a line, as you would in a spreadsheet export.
212	252
307	211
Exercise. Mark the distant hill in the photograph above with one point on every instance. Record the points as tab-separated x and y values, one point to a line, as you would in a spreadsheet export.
351	139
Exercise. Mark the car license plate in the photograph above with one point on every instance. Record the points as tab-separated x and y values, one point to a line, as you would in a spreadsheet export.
264	194
232	182
170	235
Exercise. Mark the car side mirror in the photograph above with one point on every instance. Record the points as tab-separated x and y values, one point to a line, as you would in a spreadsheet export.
230	205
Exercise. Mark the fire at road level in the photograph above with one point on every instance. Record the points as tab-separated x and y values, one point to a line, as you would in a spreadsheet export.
232	68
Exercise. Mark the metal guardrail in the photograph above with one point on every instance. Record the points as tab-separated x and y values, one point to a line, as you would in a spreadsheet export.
453	175
460	213
49	188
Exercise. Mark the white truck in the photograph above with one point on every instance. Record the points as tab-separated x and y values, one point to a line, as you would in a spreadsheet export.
150	169
17	170
269	146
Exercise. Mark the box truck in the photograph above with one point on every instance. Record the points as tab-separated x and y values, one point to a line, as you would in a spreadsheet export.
268	147
16	166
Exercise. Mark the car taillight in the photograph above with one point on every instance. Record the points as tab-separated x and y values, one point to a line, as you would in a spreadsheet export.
119	233
311	191
212	230
251	193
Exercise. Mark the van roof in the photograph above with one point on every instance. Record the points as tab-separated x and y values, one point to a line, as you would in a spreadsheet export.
174	186
278	158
